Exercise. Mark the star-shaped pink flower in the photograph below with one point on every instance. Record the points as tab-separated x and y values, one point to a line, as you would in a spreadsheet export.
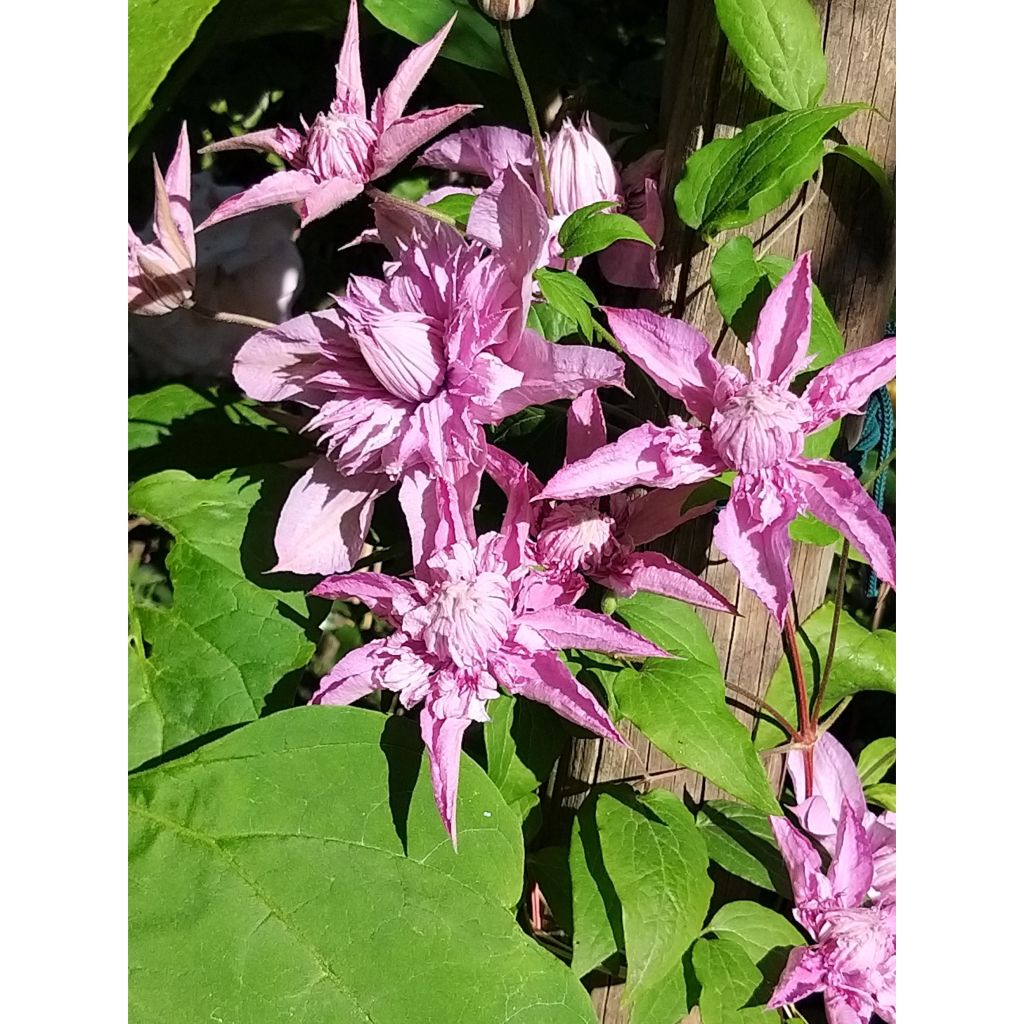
754	426
332	160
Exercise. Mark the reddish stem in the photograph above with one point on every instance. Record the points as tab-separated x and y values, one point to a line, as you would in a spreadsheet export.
803	709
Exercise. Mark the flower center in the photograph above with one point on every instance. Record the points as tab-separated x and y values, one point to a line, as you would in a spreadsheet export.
338	146
759	426
575	535
467	620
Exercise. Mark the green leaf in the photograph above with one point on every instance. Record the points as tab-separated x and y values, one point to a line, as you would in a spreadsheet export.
729	983
765	936
679	704
570	296
741	841
523	740
159	31
457	206
596	908
548	322
657	862
778	42
473	39
216	654
876	759
741	285
863	661
274	875
883	794
864	160
819	444
732	182
203	431
590	230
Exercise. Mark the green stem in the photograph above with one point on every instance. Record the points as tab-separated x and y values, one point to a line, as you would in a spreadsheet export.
844	560
803	713
505	30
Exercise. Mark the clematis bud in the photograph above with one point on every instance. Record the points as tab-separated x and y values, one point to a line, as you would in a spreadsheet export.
582	171
506	10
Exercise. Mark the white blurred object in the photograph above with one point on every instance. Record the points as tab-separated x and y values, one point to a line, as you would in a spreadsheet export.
248	265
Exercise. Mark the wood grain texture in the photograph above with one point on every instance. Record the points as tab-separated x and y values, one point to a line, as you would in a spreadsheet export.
851	236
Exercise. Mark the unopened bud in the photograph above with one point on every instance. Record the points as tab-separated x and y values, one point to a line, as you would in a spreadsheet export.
506	10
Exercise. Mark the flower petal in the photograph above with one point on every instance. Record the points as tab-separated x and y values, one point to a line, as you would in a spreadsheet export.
834	494
443	740
585	429
506	471
391	102
385	596
437	511
544	678
354	676
803	863
660	511
650	455
284	187
485	151
675	354
510	219
284	142
852	866
778	348
179	191
349	94
328	197
835	780
658	574
325	519
405	134
753	533
563	626
803	975
844	386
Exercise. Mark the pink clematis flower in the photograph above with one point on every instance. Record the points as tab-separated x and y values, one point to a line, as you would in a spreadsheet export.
582	172
836	782
403	374
853	958
332	160
755	427
479	616
599	539
162	274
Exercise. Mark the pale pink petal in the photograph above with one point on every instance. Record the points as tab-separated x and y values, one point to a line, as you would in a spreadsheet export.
660	511
389	104
544	678
852	866
282	188
835	780
281	362
328	197
349	95
553	371
839	1009
443	740
585	429
385	596
355	676
650	455
753	533
437	512
510	219
563	626
803	863
406	134
325	519
486	151
778	348
803	975
834	494
675	354
405	353
658	574
506	471
179	191
284	142
845	386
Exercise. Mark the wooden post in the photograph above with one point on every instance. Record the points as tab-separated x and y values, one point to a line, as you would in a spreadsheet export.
849	231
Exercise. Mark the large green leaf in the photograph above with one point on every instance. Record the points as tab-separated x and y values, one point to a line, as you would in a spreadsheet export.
778	43
298	870
765	936
473	39
732	182
159	31
876	759
658	864
679	704
216	654
591	229
569	295
742	283
730	984
863	661
203	431
741	840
